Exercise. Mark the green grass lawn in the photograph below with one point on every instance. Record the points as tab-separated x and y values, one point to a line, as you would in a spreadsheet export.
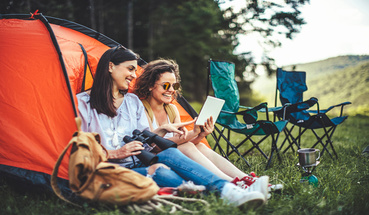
343	183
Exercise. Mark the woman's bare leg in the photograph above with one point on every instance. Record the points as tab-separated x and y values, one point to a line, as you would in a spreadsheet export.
191	151
220	162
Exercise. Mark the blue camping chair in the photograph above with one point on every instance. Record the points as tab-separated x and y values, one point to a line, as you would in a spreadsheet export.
222	75
291	86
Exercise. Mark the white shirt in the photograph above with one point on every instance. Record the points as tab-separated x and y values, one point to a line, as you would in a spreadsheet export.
155	126
130	116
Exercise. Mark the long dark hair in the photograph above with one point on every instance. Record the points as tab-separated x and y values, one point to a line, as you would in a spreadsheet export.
101	96
151	74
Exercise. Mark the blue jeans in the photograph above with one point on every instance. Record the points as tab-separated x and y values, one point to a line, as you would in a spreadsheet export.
182	169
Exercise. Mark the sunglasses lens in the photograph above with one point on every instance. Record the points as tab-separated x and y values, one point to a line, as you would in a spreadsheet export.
166	86
176	86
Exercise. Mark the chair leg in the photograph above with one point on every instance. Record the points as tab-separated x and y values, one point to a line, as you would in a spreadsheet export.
320	140
255	145
217	145
328	134
328	142
331	142
285	139
288	133
274	149
234	149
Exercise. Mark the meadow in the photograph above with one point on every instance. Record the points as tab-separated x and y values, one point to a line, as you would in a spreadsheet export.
343	183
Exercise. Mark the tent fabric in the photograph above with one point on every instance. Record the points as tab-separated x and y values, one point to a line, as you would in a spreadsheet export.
44	62
43	66
37	115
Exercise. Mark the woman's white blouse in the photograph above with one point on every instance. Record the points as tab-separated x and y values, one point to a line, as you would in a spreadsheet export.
130	116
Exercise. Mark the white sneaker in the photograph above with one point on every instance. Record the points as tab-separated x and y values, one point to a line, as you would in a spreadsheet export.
275	187
260	185
237	196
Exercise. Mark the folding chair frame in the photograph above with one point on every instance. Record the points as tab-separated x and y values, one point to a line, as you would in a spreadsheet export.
234	149
328	133
320	117
219	134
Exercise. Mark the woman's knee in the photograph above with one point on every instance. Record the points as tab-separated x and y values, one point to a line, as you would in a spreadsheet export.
201	146
164	176
154	167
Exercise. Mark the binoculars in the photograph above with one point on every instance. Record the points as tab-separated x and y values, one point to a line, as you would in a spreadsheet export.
149	158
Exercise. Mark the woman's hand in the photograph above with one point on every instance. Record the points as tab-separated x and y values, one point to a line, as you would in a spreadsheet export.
129	149
176	128
207	128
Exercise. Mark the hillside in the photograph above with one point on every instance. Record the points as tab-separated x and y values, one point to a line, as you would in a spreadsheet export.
349	84
330	65
334	80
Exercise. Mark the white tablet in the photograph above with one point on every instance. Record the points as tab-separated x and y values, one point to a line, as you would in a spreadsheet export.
211	107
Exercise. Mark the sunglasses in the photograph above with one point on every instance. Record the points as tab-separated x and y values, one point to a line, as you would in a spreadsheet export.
167	85
116	48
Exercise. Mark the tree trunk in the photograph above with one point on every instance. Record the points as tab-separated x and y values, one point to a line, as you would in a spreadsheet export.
150	36
92	14
130	24
101	16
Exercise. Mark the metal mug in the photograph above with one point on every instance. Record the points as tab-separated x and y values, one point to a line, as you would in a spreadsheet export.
308	157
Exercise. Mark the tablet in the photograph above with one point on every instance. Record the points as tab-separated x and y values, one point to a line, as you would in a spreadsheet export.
211	107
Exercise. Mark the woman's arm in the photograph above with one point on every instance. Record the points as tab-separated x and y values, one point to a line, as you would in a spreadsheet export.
205	130
191	134
177	128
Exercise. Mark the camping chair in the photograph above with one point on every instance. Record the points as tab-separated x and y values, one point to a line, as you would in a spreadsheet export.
225	87
291	86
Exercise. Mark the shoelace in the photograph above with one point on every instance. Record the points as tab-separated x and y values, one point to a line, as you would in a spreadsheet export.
248	180
242	184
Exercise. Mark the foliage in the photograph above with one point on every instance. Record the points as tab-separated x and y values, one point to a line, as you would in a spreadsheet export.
191	32
343	183
270	21
188	31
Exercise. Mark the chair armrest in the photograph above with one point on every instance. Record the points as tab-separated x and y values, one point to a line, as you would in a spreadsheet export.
296	107
300	106
330	108
227	112
259	107
272	109
244	107
250	115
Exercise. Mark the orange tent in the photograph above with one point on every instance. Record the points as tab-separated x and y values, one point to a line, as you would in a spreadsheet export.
44	62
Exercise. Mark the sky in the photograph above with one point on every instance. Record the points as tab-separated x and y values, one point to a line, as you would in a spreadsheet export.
334	28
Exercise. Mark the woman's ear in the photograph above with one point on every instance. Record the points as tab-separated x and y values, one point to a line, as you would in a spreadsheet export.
111	66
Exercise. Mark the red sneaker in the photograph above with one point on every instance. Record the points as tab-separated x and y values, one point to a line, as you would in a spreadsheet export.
239	182
167	191
248	180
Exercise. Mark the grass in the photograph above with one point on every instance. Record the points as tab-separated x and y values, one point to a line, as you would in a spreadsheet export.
343	183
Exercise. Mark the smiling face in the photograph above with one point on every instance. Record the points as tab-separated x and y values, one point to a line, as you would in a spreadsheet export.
159	93
122	74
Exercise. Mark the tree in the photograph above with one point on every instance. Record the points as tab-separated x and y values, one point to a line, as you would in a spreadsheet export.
192	31
271	20
189	31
